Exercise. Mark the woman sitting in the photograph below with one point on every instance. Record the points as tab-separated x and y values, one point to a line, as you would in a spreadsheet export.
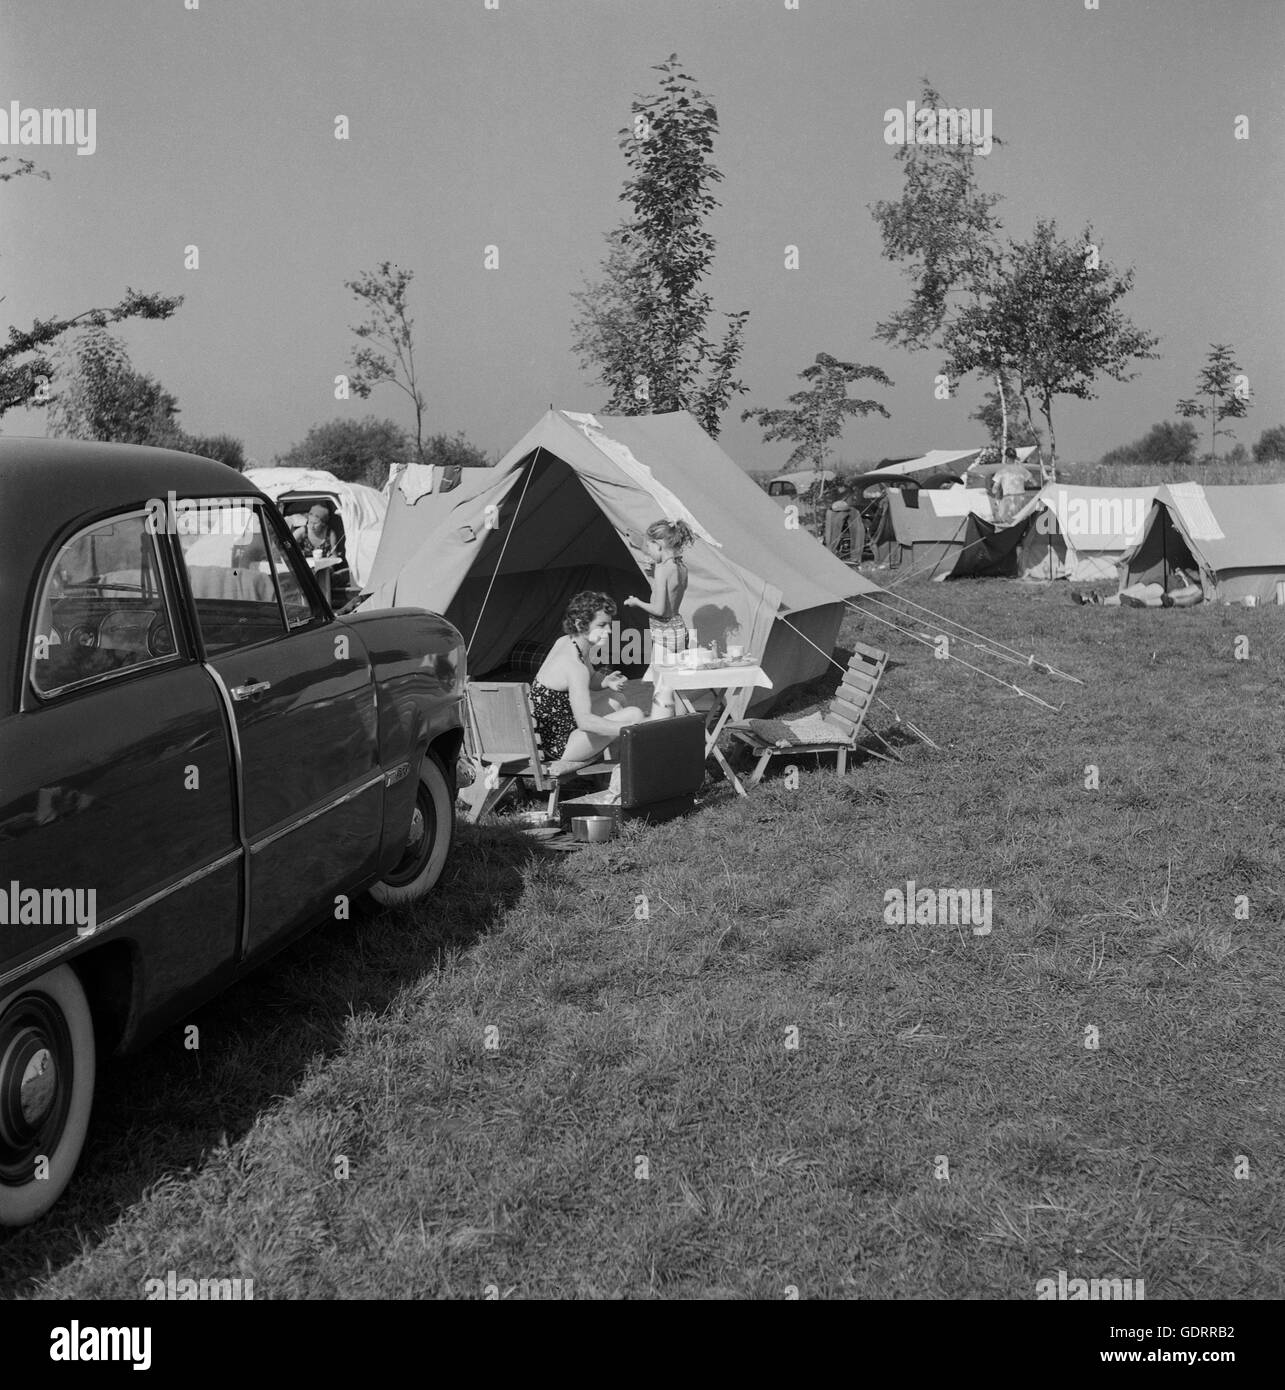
576	714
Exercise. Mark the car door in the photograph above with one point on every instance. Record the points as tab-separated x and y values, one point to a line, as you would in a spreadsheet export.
117	770
299	696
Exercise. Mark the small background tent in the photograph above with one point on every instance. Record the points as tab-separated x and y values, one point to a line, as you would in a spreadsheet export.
1080	533
951	533
361	508
567	508
1234	537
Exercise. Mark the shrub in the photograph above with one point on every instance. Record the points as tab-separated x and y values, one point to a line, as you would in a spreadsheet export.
1271	445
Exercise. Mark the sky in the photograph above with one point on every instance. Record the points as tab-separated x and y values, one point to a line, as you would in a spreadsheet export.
476	123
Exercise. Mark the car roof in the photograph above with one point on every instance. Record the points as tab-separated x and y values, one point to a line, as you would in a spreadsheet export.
807	475
52	486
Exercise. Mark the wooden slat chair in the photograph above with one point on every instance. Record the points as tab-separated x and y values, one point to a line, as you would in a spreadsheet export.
502	744
832	730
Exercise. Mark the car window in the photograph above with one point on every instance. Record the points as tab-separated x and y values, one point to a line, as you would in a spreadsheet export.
226	554
299	609
103	608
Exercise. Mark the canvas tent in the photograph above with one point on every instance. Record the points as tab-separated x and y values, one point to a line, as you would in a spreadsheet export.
951	533
361	508
567	508
1233	537
934	461
1080	533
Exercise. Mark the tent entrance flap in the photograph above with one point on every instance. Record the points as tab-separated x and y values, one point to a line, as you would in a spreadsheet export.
550	542
1162	552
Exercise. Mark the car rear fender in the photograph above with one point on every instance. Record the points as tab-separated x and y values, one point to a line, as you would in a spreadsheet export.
419	668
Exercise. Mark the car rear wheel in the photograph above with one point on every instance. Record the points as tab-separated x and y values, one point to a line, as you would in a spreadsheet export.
428	839
46	1092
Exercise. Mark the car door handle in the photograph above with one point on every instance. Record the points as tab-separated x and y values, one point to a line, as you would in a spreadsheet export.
248	692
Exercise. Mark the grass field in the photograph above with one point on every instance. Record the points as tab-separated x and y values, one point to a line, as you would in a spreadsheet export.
1145	475
944	1127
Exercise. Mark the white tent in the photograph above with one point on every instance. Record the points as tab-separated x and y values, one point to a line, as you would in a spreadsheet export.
1233	537
1081	533
361	509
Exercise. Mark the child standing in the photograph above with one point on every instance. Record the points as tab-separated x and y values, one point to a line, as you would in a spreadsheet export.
666	541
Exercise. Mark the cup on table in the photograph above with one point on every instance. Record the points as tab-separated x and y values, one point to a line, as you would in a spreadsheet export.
735	653
317	553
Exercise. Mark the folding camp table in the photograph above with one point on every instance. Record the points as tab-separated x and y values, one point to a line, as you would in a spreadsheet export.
321	566
726	682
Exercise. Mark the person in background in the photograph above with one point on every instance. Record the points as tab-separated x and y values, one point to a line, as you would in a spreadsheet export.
316	531
838	516
1008	486
574	719
856	529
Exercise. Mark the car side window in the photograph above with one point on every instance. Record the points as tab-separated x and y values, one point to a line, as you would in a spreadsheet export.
103	608
294	597
225	551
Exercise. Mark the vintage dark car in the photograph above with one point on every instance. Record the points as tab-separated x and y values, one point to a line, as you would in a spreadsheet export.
198	762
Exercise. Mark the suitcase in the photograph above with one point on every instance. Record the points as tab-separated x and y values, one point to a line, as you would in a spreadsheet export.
662	767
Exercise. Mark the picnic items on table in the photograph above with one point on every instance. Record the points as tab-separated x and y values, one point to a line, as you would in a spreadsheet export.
321	565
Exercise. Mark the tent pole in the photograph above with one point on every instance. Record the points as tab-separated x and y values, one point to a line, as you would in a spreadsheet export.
500	558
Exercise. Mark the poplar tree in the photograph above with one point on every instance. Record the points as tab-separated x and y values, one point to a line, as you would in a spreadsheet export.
642	326
1227	401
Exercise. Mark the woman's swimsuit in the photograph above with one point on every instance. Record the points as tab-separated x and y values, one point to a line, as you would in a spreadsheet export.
555	721
670	634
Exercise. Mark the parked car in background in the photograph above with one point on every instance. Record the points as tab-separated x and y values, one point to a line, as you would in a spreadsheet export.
793	487
198	762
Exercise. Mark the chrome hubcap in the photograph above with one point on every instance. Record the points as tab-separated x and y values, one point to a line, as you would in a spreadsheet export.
37	1070
38	1087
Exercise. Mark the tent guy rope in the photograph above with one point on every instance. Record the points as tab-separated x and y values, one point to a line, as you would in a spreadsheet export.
999	649
928	642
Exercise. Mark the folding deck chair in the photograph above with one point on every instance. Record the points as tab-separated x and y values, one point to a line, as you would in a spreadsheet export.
832	730
502	744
